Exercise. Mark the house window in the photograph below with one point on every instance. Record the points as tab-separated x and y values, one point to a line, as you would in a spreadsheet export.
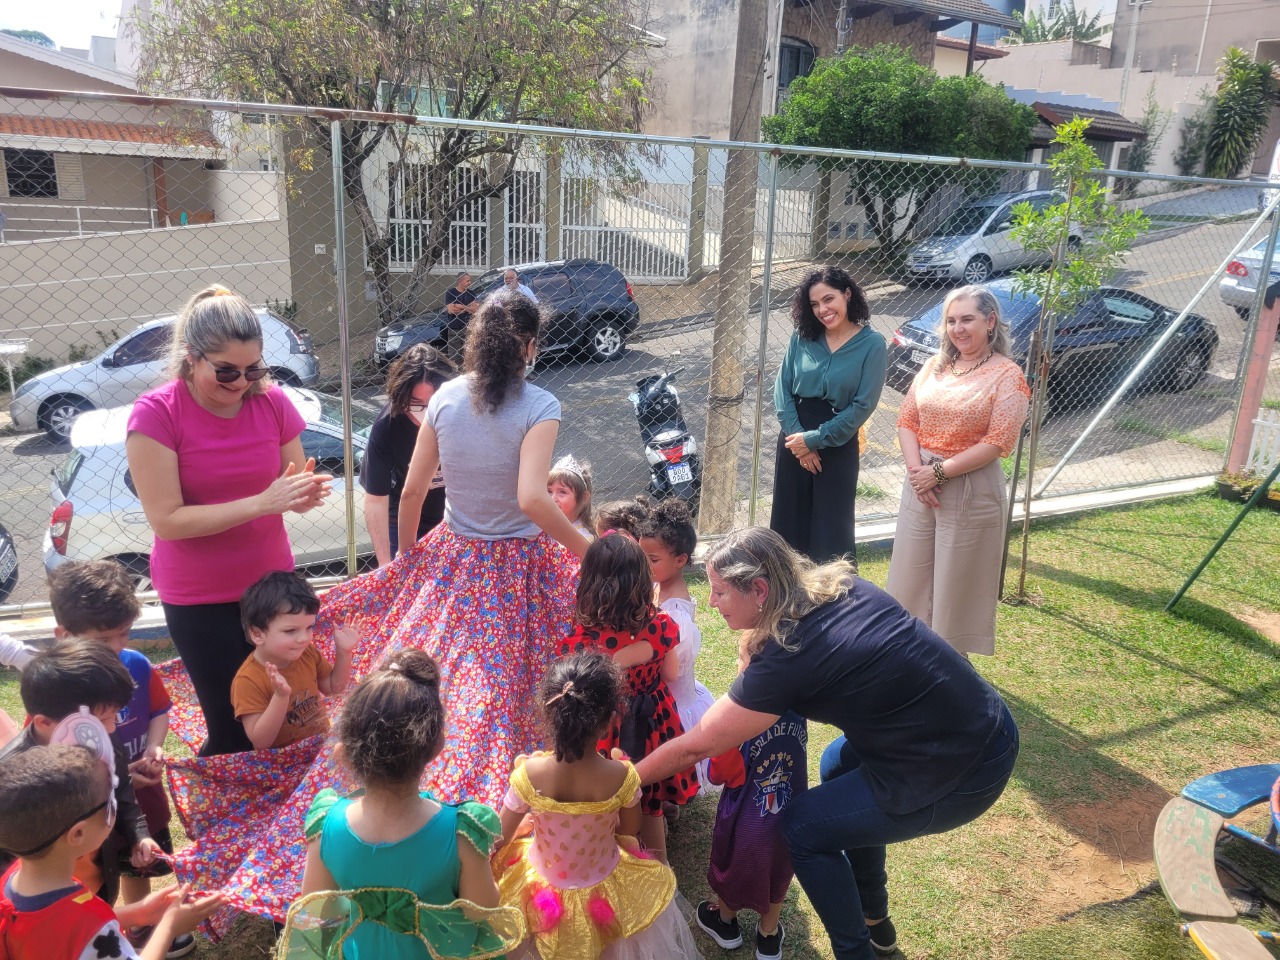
30	173
795	59
466	243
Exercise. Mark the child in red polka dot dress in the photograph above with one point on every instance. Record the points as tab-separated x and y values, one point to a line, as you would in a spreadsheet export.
616	615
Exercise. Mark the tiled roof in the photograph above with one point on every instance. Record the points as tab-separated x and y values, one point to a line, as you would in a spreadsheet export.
980	50
151	134
1105	124
972	10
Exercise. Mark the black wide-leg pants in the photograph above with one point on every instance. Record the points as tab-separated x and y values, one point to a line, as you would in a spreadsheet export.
814	512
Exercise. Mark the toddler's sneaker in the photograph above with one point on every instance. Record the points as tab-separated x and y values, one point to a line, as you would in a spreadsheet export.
727	935
769	945
884	938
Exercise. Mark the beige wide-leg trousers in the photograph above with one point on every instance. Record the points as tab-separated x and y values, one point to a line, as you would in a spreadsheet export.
945	567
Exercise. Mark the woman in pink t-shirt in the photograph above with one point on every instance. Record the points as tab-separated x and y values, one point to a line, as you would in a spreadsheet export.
217	459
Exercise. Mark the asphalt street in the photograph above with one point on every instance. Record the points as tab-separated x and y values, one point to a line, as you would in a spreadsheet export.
599	424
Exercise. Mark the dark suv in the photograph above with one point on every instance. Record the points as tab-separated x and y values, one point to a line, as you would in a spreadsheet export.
591	306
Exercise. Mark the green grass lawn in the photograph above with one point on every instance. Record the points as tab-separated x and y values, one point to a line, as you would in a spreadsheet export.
1119	703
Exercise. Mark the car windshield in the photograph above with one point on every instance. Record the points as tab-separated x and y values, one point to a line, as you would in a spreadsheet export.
362	414
964	221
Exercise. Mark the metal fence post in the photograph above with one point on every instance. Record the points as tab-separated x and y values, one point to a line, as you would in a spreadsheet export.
344	344
765	298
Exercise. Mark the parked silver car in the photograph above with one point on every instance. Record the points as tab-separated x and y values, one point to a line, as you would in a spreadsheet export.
133	365
97	513
1239	285
974	243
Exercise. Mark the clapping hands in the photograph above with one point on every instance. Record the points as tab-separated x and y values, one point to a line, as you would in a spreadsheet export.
297	490
346	637
279	685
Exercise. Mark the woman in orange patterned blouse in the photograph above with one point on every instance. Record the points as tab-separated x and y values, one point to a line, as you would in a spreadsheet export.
962	414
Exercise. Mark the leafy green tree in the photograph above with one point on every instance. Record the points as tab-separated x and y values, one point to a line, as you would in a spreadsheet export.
1076	270
32	36
881	99
1068	23
1247	91
518	61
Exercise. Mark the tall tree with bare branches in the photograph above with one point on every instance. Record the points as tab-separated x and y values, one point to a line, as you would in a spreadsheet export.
517	61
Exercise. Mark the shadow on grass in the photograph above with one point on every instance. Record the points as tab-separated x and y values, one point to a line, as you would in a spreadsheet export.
1141	927
1076	784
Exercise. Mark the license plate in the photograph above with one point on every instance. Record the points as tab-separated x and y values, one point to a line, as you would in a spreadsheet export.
920	356
680	473
8	561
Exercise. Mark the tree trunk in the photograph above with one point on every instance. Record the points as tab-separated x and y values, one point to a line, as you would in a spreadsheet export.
733	297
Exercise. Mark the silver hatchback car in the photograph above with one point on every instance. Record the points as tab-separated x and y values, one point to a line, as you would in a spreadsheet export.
133	365
973	243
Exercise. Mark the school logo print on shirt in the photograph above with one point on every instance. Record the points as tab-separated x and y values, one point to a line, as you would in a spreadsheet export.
773	787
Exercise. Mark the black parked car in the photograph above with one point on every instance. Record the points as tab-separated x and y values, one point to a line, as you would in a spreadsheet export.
1093	349
593	311
8	564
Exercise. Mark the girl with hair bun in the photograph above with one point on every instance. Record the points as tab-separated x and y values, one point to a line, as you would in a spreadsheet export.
616	616
584	886
391	835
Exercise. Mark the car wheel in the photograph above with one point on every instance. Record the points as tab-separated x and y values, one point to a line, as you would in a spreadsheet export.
284	377
139	570
607	341
1243	313
1074	244
977	270
8	564
1187	370
59	413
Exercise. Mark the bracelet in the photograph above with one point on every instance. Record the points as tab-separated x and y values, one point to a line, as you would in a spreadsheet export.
938	473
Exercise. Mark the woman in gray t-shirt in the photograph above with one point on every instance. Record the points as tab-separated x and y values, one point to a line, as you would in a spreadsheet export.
490	590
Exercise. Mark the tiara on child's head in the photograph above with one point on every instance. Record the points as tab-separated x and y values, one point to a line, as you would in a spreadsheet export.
568	463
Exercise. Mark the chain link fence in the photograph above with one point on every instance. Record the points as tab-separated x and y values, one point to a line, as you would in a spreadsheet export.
651	256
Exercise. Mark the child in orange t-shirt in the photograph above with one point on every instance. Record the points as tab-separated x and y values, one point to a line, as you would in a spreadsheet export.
276	692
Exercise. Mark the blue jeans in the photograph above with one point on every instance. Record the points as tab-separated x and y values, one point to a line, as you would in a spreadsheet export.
837	835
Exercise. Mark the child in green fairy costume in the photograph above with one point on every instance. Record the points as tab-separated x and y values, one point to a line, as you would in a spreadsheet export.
413	873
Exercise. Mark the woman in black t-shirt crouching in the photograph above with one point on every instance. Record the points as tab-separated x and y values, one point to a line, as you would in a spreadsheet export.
412	379
927	744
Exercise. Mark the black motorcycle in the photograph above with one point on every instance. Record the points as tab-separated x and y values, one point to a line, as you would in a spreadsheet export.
674	463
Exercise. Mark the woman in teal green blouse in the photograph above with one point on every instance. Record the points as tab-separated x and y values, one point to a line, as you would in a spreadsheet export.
828	385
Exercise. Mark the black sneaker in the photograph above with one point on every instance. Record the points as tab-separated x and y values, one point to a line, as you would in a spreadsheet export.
727	935
181	946
884	937
769	945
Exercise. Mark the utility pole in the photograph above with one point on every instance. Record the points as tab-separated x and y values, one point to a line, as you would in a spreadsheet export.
733	296
1130	48
842	27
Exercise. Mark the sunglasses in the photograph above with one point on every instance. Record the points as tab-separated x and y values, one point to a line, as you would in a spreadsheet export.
108	804
232	374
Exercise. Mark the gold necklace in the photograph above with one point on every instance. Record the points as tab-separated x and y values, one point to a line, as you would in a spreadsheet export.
965	373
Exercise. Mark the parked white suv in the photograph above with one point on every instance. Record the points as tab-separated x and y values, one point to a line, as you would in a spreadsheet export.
97	514
133	365
974	243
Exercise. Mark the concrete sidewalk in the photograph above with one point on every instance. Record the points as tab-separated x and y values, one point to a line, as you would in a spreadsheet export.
150	629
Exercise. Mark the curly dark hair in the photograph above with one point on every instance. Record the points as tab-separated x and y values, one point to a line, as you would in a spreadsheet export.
615	587
276	594
670	524
421	363
393	723
806	322
497	338
579	696
623	515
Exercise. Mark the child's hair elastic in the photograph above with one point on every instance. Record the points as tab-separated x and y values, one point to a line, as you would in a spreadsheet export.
564	692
